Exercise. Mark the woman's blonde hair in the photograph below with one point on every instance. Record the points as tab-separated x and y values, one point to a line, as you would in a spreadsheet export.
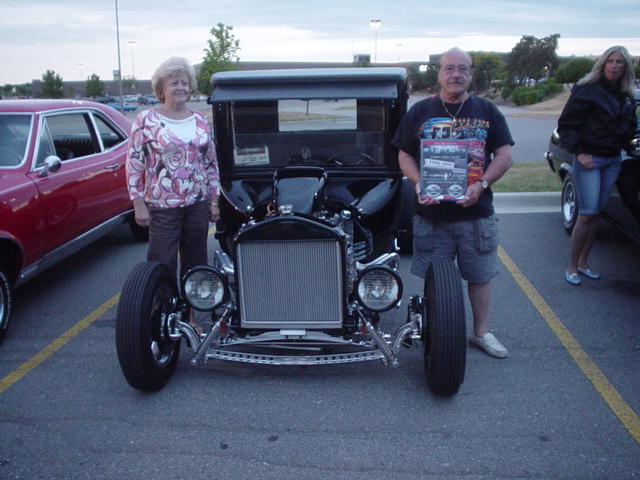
627	81
170	68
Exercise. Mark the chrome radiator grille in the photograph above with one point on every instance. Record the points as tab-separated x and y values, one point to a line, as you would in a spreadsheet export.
290	284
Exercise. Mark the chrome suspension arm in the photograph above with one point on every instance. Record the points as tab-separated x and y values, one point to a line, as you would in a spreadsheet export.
213	334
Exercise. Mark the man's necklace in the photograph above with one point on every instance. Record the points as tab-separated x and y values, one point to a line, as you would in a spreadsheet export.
453	117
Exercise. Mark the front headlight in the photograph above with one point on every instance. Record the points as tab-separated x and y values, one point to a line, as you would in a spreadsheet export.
378	288
204	288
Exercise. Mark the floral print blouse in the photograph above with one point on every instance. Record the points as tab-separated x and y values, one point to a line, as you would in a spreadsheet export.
167	171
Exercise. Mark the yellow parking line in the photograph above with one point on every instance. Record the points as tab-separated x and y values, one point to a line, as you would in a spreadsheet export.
607	391
50	349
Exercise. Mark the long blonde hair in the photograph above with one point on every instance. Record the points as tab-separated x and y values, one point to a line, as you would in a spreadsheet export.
626	82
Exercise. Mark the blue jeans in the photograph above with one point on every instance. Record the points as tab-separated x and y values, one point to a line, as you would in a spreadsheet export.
594	186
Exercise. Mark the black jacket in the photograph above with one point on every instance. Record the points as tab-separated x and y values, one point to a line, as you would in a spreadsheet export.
597	120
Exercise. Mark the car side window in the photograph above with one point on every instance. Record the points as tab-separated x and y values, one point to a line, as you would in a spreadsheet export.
109	136
14	134
45	146
72	135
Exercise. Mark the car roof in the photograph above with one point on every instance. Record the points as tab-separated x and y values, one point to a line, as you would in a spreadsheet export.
43	105
308	83
34	106
307	75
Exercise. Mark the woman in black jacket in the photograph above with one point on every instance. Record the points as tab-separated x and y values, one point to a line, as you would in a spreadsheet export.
596	123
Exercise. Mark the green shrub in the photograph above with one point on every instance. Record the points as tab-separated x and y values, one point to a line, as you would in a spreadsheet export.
518	95
549	88
533	95
553	88
506	92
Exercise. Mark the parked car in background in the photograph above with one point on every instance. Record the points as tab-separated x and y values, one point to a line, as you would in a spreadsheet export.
62	185
148	100
127	107
106	99
617	211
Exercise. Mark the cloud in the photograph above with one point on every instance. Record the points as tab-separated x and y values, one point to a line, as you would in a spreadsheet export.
61	35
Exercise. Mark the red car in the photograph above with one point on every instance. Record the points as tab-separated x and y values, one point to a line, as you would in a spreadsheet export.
62	185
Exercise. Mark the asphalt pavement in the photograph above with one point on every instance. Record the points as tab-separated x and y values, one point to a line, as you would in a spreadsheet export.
563	405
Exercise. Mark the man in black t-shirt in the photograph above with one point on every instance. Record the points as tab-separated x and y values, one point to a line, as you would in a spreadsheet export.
466	229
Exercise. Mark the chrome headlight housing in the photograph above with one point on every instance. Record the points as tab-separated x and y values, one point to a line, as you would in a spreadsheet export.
378	288
205	288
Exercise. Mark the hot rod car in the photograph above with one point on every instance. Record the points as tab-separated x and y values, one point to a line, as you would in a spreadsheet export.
308	260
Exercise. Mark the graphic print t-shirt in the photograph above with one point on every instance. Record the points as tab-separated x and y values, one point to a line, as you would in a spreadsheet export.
479	122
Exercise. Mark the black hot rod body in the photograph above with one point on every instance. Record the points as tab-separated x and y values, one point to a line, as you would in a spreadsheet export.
311	221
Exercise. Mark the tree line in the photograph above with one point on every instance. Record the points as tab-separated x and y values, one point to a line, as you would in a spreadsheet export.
531	71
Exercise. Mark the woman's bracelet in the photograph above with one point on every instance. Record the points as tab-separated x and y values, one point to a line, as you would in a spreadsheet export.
213	204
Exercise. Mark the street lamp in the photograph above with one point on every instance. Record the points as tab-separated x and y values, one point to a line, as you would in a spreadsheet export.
119	61
133	65
376	25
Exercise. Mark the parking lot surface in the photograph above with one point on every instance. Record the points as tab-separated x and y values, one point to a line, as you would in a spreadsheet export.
564	404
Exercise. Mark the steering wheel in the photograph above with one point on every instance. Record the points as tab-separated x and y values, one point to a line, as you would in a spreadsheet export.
361	158
305	156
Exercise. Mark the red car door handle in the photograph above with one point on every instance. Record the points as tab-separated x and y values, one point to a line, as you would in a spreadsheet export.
112	167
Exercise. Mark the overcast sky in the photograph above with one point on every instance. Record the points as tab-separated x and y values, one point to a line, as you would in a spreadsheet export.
77	38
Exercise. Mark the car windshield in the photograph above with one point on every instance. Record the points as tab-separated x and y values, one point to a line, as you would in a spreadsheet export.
340	132
14	134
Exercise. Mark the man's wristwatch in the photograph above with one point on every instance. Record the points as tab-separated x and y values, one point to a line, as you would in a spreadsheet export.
484	183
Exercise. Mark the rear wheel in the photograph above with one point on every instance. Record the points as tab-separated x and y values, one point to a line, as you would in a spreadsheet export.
5	303
569	203
146	352
444	335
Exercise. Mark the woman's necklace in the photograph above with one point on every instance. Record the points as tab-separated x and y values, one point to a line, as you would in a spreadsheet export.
453	117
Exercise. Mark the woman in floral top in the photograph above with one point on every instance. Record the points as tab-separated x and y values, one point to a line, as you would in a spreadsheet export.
172	171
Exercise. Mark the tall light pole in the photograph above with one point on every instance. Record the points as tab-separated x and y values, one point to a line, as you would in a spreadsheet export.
132	44
376	25
119	62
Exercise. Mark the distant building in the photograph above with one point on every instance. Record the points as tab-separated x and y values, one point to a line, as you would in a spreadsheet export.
75	88
362	58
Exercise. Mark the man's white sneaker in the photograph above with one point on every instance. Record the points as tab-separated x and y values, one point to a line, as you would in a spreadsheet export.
490	344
